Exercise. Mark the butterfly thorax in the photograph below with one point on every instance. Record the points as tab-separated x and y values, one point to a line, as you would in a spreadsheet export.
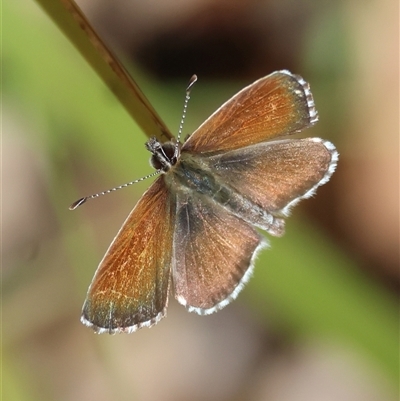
164	156
190	173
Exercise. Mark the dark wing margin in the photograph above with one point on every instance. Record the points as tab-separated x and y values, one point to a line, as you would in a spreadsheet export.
279	104
214	253
130	287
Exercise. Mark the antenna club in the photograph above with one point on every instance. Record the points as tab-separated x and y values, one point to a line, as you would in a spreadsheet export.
192	81
78	203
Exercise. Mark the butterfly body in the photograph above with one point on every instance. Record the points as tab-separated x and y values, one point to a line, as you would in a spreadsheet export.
195	227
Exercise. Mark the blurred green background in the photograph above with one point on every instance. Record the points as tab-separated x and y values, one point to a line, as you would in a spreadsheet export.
318	321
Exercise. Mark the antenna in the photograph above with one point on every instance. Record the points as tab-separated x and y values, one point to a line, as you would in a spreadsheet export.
81	201
192	81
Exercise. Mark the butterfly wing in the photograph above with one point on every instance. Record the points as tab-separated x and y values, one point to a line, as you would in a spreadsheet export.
213	253
130	287
275	175
278	104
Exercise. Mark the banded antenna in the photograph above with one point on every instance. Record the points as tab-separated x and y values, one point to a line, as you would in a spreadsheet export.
83	200
192	81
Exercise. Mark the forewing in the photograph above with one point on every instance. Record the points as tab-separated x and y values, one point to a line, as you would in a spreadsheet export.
276	175
278	104
130	287
213	254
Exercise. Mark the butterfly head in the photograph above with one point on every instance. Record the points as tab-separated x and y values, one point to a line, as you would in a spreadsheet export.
164	155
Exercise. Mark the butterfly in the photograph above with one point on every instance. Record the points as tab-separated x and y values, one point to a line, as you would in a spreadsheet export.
195	229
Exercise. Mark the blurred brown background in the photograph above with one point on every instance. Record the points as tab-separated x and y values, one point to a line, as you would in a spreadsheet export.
319	319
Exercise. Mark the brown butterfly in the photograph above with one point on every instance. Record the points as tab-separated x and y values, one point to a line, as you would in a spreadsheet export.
194	228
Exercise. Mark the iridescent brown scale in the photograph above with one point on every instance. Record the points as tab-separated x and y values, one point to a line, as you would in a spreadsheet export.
131	285
275	175
214	252
278	104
